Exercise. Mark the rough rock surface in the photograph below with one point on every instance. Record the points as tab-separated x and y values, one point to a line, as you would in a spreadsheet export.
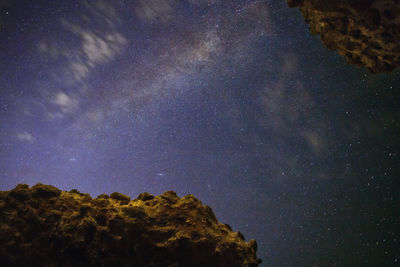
365	32
44	226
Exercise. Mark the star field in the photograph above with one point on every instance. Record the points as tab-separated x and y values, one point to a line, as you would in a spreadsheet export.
232	101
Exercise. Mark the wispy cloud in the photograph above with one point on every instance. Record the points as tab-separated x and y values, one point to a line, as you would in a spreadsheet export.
26	137
94	42
65	103
155	9
96	49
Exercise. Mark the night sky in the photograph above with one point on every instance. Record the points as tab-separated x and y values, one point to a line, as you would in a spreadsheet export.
232	101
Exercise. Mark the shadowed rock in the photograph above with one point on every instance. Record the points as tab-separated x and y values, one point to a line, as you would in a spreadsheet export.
365	32
44	226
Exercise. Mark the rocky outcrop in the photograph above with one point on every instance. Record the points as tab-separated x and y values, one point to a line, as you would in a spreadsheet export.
44	226
365	32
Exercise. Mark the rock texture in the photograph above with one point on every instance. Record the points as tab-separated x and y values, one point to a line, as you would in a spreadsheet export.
44	226
365	32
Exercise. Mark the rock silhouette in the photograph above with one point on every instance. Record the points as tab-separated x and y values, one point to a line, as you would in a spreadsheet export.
365	32
44	226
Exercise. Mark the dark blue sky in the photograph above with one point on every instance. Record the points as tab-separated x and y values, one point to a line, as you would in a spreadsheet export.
232	101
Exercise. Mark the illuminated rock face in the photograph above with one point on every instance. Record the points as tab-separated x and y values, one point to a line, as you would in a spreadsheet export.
44	226
365	32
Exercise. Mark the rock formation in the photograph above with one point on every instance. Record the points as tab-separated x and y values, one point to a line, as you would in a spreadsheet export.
365	32
44	226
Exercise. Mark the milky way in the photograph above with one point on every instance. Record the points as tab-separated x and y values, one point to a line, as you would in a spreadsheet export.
232	101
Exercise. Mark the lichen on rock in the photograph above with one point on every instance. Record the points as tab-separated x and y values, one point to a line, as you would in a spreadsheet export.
44	226
365	32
